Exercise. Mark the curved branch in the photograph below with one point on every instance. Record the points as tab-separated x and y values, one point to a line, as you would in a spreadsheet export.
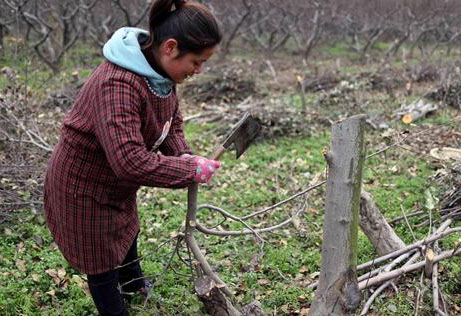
249	231
284	201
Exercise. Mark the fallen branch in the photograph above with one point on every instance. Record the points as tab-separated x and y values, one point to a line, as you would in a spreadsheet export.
405	269
408	248
378	291
376	228
414	111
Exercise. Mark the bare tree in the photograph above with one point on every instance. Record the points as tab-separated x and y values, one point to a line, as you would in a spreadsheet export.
309	27
50	27
270	27
5	22
107	16
232	17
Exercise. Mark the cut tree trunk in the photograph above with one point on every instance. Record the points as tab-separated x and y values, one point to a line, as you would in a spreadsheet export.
337	292
216	302
376	228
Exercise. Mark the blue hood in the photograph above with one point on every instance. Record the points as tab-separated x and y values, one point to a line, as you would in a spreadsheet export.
124	50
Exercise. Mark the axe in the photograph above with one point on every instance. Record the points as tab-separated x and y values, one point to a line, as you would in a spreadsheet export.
241	135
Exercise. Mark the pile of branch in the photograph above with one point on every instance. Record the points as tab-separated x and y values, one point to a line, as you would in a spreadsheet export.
450	95
396	259
225	83
321	83
451	200
396	264
25	144
276	117
385	79
64	97
424	73
424	255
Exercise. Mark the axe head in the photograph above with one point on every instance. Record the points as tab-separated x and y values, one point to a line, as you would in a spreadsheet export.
242	134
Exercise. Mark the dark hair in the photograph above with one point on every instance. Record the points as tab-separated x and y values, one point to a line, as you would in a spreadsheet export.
190	23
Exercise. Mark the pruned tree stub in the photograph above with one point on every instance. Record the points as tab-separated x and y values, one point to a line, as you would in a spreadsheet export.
337	292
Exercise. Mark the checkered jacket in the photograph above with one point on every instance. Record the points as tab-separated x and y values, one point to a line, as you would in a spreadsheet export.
108	148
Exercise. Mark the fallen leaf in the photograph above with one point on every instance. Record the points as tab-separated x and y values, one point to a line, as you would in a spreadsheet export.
61	273
20	246
81	283
51	293
52	273
263	281
35	277
21	265
304	312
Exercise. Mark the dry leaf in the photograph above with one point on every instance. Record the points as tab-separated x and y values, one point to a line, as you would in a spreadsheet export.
61	273
51	293
52	273
35	277
21	265
263	281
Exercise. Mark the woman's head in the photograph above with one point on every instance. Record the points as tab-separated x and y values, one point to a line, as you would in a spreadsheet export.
182	34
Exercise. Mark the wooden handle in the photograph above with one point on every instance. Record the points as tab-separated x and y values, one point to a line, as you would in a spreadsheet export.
217	152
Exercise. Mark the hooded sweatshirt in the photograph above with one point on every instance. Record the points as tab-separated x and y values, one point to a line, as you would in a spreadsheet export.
124	50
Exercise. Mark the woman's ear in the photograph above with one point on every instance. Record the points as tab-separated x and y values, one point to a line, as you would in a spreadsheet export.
170	47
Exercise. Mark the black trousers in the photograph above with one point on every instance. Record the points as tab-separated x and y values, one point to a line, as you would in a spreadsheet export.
104	287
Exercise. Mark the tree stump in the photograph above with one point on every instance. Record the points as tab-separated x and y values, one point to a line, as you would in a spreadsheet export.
337	292
218	303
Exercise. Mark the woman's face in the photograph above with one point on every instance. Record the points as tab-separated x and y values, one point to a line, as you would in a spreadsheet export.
180	67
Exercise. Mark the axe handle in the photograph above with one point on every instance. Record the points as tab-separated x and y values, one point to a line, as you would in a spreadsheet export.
218	151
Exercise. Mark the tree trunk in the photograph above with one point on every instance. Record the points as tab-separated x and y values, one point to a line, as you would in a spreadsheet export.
375	226
337	292
216	302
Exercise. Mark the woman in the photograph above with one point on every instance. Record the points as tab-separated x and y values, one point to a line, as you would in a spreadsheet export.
125	130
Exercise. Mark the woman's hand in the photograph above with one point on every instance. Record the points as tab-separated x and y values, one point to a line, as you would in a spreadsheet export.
205	168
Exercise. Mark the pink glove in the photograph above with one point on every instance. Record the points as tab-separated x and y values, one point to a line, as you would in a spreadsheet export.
205	169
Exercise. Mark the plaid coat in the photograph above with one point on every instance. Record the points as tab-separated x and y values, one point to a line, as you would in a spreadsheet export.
107	150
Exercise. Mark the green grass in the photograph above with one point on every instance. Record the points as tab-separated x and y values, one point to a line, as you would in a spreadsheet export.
278	273
339	49
269	172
